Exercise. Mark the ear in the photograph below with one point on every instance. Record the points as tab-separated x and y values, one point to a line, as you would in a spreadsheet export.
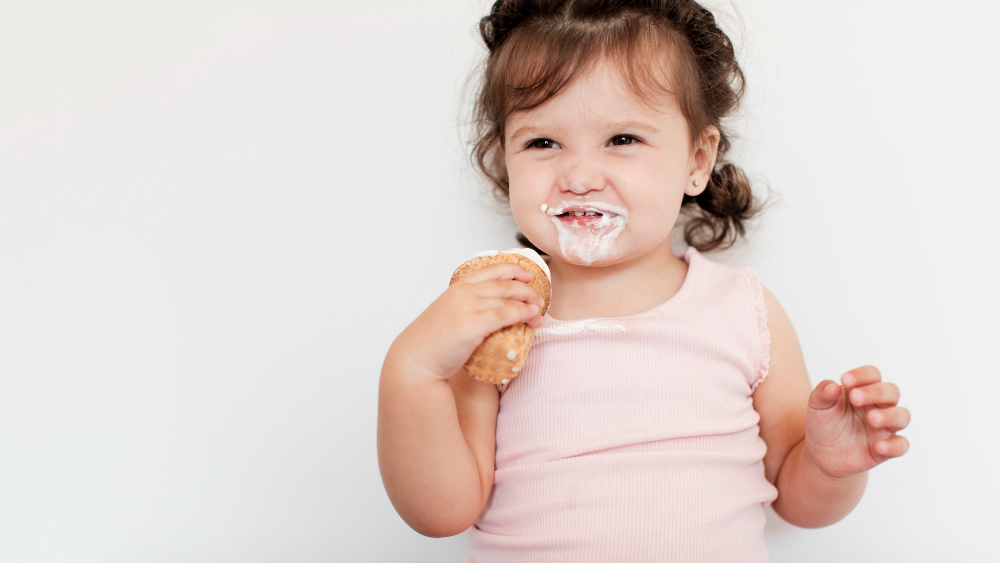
703	160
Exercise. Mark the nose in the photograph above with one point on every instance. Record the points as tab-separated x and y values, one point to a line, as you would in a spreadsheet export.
582	174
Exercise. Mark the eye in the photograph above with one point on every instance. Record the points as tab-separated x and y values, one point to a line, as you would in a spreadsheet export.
542	144
623	140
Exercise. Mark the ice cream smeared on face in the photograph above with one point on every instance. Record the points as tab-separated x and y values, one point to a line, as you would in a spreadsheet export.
588	230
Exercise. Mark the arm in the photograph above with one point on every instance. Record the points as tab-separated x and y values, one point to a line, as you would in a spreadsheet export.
810	498
781	401
436	425
820	443
428	469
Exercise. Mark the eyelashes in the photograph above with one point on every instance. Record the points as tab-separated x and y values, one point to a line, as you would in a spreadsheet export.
539	144
617	140
626	140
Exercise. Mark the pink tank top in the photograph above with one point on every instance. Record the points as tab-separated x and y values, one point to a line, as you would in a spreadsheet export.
634	439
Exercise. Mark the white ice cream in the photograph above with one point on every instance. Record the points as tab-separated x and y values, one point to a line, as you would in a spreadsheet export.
578	327
589	243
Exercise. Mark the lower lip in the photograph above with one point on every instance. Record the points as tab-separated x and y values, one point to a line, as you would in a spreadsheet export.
582	220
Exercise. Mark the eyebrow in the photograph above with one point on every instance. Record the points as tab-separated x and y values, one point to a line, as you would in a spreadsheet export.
529	130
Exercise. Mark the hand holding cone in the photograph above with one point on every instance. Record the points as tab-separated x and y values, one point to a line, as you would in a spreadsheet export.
502	354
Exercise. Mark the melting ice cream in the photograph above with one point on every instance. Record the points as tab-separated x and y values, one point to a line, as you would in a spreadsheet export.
587	231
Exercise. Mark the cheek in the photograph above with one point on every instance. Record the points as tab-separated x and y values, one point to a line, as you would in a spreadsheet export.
525	207
525	200
529	219
659	210
668	212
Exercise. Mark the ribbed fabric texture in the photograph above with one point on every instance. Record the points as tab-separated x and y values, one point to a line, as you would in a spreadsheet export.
634	439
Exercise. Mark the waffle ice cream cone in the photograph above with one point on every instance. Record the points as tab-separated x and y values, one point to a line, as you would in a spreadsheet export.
502	355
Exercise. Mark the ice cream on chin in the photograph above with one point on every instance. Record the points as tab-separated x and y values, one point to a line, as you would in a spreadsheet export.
587	230
502	354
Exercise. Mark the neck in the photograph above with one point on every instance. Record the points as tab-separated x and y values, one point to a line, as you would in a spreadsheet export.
621	289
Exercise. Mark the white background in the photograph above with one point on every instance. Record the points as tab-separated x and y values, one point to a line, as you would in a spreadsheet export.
216	216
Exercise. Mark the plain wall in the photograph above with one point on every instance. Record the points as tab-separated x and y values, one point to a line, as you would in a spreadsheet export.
216	216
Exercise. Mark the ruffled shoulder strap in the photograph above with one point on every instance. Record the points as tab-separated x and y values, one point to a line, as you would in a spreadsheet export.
763	335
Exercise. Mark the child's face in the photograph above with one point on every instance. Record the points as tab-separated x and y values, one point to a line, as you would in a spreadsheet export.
596	148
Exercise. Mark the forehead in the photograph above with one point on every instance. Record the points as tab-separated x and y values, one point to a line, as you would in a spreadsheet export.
605	92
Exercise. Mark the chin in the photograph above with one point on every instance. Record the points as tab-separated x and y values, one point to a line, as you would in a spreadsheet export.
588	257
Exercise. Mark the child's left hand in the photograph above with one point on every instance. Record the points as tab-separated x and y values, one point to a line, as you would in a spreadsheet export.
853	428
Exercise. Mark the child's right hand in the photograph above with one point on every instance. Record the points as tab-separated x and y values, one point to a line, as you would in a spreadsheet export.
439	342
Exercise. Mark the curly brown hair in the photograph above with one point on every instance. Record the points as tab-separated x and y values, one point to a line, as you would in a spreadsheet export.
536	47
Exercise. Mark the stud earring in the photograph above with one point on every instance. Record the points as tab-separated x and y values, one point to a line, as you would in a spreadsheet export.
696	183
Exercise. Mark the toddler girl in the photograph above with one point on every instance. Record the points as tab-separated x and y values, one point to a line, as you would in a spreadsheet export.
665	402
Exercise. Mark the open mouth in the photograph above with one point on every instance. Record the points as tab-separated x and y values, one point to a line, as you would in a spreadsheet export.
587	230
578	209
589	218
595	215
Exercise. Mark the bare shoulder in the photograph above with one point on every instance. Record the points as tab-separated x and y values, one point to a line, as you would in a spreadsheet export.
478	405
781	398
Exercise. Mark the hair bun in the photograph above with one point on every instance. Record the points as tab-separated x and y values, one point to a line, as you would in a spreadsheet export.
508	14
495	27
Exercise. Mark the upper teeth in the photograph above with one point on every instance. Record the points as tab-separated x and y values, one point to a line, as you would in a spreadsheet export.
582	213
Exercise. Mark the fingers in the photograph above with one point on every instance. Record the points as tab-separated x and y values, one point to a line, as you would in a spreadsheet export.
875	394
501	271
511	312
865	387
501	295
536	322
503	282
864	375
525	312
892	419
509	290
825	395
893	446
